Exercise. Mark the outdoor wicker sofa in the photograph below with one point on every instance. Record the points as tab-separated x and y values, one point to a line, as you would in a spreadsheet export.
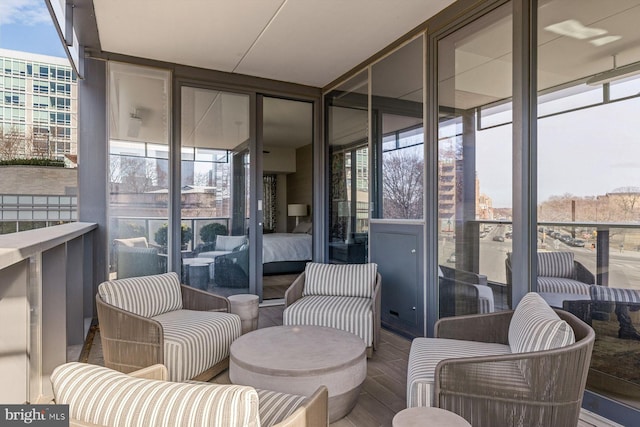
99	396
342	296
526	367
154	319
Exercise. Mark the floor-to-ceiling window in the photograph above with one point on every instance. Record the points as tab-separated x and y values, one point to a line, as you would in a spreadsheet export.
214	183
474	164
588	173
139	100
347	135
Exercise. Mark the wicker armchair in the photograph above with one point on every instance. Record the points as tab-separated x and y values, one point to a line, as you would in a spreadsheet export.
135	257
474	374
463	292
557	272
338	296
154	319
99	396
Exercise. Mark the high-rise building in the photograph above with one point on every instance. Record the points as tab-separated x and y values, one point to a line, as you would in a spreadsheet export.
38	106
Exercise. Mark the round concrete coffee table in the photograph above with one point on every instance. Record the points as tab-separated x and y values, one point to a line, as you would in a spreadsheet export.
424	415
299	359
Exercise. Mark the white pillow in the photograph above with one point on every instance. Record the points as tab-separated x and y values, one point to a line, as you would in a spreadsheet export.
229	243
303	227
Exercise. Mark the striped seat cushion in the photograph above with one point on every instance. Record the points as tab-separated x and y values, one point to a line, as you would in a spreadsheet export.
194	341
426	353
555	264
349	314
603	293
145	296
275	407
102	396
562	285
347	280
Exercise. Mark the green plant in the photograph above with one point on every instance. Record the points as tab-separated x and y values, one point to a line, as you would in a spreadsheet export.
161	235
209	232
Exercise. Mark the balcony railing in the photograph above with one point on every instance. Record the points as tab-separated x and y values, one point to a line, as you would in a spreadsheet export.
47	286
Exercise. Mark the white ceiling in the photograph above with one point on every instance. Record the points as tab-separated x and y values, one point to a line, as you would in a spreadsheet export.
309	42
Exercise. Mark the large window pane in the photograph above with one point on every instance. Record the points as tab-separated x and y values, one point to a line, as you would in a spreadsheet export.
215	189
347	135
396	103
588	177
474	165
139	100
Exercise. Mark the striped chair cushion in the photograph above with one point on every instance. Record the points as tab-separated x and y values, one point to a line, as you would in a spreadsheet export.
535	327
485	299
145	296
562	285
555	264
275	407
194	341
349	314
426	353
347	280
106	397
603	293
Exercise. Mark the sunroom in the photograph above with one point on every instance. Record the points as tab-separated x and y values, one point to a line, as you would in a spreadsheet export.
440	140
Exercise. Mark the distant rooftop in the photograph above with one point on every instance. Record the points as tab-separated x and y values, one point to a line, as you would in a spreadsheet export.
36	57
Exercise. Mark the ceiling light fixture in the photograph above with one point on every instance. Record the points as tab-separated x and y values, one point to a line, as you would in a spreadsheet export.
575	29
616	73
601	41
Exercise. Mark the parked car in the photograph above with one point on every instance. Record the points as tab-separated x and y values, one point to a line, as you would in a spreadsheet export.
508	235
452	258
579	243
498	238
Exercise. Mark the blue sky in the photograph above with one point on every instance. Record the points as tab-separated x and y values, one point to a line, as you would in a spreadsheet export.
26	25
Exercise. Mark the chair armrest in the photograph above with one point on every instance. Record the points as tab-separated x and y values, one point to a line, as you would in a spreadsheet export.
377	310
153	372
314	412
491	327
196	299
553	375
294	292
129	341
583	275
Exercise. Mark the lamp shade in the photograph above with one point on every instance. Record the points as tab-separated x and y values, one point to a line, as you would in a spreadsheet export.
297	210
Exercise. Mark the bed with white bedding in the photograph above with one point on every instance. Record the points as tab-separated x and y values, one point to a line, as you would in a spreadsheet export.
284	253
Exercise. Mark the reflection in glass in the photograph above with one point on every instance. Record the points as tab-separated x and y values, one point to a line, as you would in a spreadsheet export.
588	177
347	130
474	165
397	105
138	170
215	187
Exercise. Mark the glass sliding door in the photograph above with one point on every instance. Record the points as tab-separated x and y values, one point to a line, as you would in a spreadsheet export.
347	127
139	100
215	188
588	176
287	192
475	165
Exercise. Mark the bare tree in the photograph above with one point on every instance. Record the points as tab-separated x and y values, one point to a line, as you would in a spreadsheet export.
402	187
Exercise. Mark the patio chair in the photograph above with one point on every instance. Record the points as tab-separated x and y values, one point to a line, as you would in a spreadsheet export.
155	319
526	367
134	257
99	396
463	292
342	296
558	272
